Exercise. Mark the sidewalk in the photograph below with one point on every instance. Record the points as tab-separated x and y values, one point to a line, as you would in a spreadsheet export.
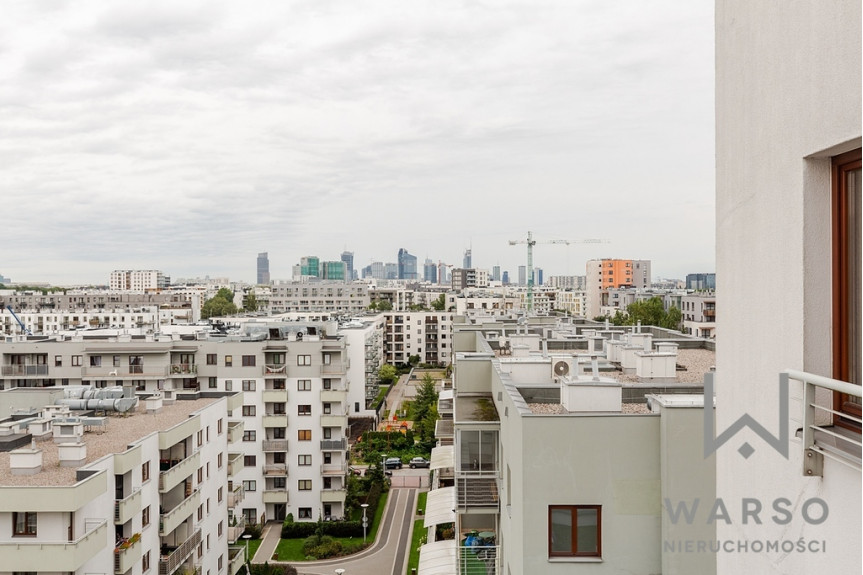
270	540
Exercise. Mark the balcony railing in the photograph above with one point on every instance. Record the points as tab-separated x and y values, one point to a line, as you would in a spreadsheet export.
25	370
277	469
237	557
171	559
235	431
823	439
274	445
234	531
236	496
127	557
22	555
275	496
177	471
235	463
333	495
173	518
334	368
276	369
476	492
183	369
478	560
334	444
136	371
334	468
125	508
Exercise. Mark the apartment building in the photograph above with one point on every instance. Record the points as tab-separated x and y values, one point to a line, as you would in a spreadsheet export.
609	273
699	314
295	391
788	141
327	296
424	334
138	280
543	469
141	493
463	278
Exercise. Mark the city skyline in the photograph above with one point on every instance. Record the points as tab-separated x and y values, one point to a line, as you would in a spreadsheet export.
185	137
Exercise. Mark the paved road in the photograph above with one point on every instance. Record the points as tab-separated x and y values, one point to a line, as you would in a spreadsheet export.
387	555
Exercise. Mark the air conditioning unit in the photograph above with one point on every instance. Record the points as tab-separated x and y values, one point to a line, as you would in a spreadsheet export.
562	367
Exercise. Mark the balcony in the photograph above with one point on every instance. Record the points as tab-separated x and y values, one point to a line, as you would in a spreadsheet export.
477	492
275	420
236	496
25	370
133	371
183	369
334	395
127	557
236	559
275	496
235	431
276	470
334	420
335	368
25	554
235	463
274	445
483	559
275	395
173	518
172	557
822	439
274	370
234	531
174	472
334	444
334	469
125	509
333	495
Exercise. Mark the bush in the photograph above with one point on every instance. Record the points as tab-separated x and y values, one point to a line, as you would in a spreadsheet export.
331	528
322	547
254	530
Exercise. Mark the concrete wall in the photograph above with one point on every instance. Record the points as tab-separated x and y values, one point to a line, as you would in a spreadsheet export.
788	92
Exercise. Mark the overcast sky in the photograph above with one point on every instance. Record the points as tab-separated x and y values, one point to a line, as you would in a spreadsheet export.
188	136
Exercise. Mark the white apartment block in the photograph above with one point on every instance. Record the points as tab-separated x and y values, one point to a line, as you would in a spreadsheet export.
463	278
788	181
145	494
424	334
292	419
138	280
605	274
699	314
344	297
542	469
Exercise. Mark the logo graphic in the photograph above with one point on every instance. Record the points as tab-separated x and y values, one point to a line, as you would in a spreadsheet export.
780	443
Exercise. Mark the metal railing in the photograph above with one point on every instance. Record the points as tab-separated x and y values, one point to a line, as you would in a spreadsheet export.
481	560
274	444
25	370
169	562
822	440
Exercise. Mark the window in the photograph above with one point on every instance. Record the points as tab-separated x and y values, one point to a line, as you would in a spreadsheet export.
248	411
304	485
279	408
219	496
327	408
574	530
250	485
76	361
280	483
304	434
220	460
279	384
248	361
212	359
145	471
328	432
95	361
304	513
304	410
304	360
327	359
249	461
248	385
145	516
328	457
116	361
213	382
24	524
278	432
229	385
229	360
328	384
145	561
136	364
221	529
328	483
304	385
846	213
248	435
220	426
304	459
58	361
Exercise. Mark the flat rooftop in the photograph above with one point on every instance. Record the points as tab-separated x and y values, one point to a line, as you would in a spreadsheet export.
121	430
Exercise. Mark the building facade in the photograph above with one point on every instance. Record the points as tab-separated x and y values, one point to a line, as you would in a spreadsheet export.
138	280
263	268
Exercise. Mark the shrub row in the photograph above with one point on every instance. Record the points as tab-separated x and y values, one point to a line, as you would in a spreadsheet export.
304	529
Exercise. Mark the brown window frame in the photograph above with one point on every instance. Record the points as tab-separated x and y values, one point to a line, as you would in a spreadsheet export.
573	509
845	287
27	526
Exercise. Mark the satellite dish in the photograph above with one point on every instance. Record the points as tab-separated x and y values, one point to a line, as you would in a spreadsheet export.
561	368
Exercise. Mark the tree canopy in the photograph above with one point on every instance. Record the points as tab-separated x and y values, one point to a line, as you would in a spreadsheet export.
220	304
649	312
387	374
439	303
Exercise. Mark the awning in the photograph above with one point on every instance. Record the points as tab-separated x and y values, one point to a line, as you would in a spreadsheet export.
442	457
438	558
440	507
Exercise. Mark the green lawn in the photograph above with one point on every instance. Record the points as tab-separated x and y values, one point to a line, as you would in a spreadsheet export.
253	546
292	549
419	534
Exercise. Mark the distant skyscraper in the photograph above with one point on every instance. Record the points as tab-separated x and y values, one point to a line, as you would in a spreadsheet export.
522	275
429	271
467	259
407	265
505	278
701	281
263	269
334	270
391	271
348	258
495	273
310	266
537	276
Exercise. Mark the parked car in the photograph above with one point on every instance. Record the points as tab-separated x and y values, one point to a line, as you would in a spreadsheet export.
393	463
419	462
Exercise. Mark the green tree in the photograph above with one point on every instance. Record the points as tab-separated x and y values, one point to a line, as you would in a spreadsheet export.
414	360
439	303
385	306
250	302
673	319
220	304
387	374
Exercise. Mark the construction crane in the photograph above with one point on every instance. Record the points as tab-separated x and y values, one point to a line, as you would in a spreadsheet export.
18	319
532	242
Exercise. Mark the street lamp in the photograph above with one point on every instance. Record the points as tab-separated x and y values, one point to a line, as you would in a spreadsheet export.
365	520
247	536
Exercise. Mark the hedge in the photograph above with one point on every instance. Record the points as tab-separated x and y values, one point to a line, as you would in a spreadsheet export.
306	529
